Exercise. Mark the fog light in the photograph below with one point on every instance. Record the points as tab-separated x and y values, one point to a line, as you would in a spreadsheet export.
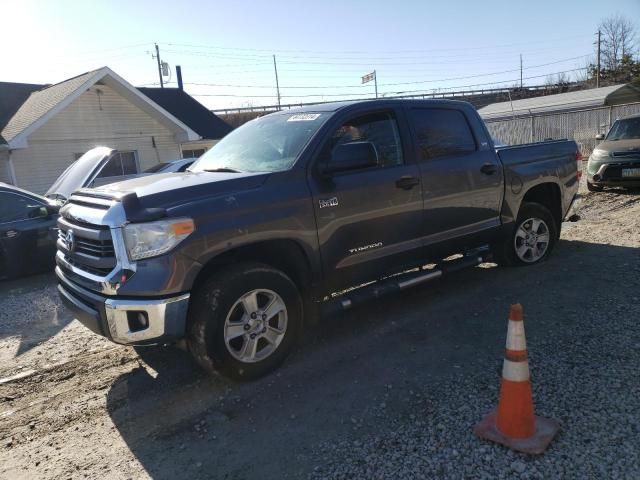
137	320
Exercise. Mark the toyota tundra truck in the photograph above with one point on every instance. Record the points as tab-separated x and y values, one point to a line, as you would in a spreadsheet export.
303	211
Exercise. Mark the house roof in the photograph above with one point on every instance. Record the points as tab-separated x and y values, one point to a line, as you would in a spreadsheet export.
183	106
39	103
581	99
12	97
42	103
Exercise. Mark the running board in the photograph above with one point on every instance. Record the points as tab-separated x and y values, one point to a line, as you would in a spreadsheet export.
401	282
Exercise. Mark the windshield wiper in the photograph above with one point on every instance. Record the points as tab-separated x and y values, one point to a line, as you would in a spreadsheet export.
222	169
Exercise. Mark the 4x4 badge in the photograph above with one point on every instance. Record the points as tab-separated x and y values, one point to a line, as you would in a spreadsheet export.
330	202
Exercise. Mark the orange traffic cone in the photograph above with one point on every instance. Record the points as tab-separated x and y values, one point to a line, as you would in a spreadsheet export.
514	424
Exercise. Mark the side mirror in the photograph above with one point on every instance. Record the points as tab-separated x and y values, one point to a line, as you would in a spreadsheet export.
352	156
52	209
37	212
600	136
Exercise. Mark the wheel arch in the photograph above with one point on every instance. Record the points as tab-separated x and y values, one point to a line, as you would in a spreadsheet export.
549	195
285	255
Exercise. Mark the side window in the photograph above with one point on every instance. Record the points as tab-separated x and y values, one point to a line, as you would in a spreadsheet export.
194	153
14	208
441	132
381	129
121	163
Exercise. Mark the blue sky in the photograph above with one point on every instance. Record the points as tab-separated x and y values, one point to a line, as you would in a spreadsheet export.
322	48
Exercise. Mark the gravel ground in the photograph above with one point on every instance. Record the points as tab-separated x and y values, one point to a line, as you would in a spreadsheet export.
32	317
389	391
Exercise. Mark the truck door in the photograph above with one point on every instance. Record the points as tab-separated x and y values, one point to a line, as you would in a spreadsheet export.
462	183
368	218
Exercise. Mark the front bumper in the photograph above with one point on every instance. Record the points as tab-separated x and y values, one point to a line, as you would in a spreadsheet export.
610	175
140	321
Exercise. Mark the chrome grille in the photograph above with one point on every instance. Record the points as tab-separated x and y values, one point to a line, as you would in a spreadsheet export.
87	247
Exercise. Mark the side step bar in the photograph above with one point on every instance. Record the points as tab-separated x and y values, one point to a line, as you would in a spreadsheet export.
401	282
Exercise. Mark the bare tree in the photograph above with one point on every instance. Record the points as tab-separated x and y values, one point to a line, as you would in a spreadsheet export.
618	38
560	79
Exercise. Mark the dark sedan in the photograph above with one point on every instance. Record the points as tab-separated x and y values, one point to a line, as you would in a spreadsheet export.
28	232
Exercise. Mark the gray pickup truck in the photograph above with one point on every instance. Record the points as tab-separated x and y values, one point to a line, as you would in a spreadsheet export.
290	211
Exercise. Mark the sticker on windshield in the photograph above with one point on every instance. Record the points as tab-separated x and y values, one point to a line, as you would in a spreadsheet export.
303	117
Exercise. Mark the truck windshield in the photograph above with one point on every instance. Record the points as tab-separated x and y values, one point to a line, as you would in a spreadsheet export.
625	129
267	144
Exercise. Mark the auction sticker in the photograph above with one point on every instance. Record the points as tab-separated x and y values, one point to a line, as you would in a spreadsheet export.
303	117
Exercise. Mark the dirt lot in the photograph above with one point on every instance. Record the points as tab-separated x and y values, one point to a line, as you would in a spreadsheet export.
390	390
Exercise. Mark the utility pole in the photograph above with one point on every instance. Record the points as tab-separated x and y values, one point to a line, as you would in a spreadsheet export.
275	68
598	63
375	79
521	71
159	68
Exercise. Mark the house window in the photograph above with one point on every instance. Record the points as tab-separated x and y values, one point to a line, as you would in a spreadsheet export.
194	153
121	163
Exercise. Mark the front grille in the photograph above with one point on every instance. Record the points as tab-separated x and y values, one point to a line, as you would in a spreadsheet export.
613	172
88	248
631	154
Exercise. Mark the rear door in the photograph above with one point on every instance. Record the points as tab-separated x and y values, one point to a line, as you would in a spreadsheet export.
369	220
461	176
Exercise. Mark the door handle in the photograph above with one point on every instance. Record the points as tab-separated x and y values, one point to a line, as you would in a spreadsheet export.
488	169
407	183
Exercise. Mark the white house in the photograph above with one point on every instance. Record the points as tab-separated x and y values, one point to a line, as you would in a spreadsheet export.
43	129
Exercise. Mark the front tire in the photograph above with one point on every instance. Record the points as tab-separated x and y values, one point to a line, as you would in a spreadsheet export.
244	320
531	239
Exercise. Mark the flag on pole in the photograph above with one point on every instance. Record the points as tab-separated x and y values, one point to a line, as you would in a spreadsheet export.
368	77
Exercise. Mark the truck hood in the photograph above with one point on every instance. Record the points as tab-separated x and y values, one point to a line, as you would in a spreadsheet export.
168	189
627	146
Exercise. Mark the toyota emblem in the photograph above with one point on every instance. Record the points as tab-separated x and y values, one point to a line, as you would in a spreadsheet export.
70	240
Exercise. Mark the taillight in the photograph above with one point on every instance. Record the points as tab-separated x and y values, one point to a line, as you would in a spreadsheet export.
579	161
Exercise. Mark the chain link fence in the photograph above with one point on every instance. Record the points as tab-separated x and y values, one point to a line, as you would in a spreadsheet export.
580	125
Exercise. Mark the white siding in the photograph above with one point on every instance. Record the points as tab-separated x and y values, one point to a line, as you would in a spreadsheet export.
5	175
93	119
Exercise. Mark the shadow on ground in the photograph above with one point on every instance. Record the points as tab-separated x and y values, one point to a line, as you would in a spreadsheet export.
30	309
181	423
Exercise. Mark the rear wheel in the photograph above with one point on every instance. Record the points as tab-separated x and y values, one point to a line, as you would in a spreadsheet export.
531	239
244	320
594	188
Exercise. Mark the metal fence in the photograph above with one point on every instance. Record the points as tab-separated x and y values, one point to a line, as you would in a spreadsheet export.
579	125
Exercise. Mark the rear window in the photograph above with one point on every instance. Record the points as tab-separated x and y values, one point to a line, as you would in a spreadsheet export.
441	132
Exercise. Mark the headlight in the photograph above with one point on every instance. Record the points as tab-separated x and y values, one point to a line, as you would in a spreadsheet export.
144	240
599	155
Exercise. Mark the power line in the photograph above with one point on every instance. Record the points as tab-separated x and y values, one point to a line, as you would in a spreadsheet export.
431	54
349	94
342	61
272	50
220	85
